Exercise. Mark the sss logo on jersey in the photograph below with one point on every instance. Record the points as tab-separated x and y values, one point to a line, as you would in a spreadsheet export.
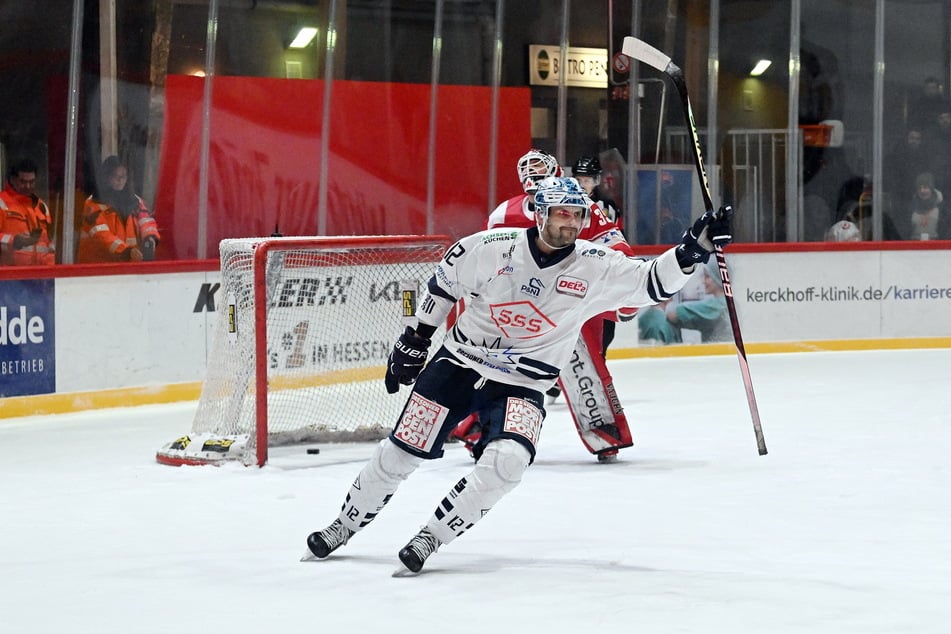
520	320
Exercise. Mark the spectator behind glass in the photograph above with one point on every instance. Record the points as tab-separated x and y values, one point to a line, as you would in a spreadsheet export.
117	225
903	164
25	220
855	206
926	219
923	110
937	144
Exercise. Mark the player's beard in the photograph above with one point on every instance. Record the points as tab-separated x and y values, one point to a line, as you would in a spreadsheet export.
561	237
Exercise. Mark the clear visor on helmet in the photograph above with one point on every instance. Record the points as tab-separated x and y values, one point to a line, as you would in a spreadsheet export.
589	181
566	211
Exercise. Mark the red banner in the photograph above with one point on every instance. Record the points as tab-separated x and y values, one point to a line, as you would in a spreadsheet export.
265	158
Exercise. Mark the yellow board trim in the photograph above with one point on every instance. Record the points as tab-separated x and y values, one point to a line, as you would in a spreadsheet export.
828	345
46	404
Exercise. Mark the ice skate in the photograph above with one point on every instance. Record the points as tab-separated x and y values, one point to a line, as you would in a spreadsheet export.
414	554
607	455
322	543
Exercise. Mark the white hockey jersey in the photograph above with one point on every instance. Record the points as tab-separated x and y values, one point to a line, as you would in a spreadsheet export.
524	309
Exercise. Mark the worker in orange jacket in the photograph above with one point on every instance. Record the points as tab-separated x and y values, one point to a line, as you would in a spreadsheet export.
117	225
25	220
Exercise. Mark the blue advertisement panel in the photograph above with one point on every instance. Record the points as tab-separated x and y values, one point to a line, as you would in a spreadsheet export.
27	337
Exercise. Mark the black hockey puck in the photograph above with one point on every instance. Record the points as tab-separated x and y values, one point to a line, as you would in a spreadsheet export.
313	450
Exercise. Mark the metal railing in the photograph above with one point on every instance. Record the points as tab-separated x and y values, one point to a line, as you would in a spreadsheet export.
760	171
751	173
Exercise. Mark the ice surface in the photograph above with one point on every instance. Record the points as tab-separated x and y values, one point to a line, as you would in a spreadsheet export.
844	527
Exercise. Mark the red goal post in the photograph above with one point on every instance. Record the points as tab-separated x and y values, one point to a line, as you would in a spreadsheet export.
299	347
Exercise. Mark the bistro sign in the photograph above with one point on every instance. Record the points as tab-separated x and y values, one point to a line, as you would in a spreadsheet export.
586	67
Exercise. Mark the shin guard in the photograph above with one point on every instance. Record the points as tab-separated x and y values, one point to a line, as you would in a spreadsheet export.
376	483
498	471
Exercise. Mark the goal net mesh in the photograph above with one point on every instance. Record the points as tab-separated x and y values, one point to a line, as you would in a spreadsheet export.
333	309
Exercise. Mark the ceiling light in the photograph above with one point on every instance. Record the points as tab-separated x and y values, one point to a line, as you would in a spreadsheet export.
304	37
760	68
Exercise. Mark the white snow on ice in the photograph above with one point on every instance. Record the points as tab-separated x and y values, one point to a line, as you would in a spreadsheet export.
844	527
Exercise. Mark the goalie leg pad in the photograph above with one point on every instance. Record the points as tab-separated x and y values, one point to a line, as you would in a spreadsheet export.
498	471
376	483
589	392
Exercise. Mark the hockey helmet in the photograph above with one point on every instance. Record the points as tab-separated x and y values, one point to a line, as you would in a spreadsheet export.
534	166
586	166
560	192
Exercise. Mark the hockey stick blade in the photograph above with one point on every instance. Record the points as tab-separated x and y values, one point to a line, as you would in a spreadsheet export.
643	52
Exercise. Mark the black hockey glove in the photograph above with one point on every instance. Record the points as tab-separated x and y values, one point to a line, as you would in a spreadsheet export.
406	360
712	228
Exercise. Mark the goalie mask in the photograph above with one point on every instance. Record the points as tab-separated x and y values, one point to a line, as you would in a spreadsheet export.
560	192
534	167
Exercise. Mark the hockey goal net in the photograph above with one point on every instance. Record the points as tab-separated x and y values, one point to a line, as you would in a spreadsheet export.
299	349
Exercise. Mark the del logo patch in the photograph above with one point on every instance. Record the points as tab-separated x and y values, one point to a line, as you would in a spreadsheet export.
571	286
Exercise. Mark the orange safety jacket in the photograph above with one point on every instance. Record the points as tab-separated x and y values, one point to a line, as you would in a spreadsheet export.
24	214
106	236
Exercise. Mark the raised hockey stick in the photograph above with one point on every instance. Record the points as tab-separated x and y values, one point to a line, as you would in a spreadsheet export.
643	52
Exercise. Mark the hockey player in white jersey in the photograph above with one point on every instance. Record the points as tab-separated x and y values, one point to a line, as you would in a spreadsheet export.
528	292
595	408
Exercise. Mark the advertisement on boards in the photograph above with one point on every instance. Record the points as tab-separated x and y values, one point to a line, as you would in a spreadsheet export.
27	337
794	297
842	295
